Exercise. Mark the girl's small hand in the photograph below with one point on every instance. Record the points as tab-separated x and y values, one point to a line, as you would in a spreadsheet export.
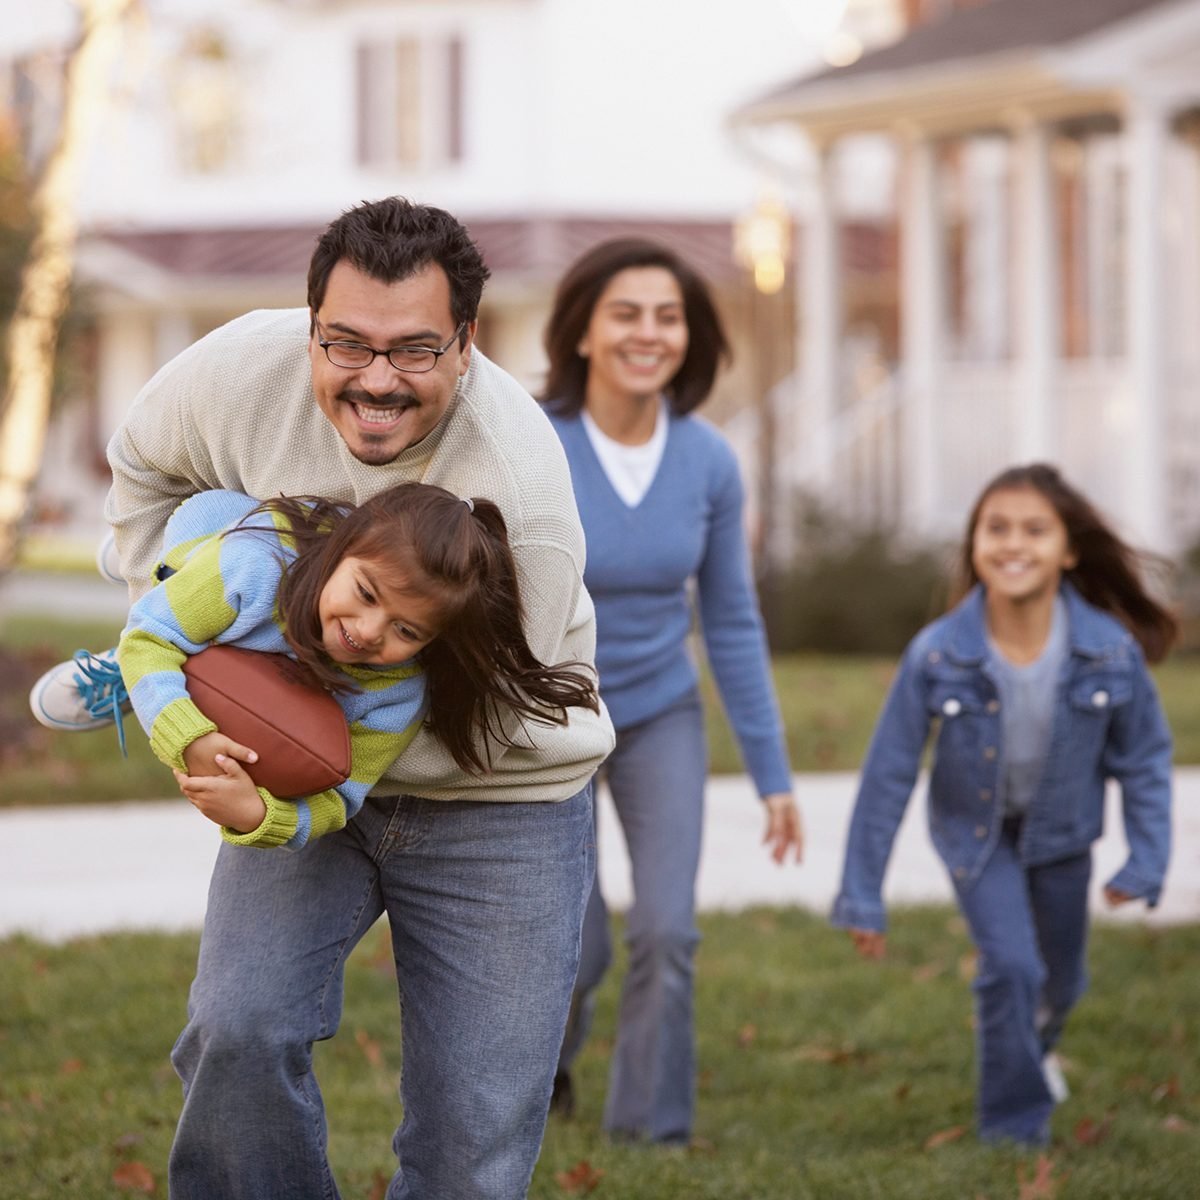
227	799
784	828
869	943
200	756
1114	897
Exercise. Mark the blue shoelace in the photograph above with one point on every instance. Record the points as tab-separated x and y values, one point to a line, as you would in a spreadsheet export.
102	689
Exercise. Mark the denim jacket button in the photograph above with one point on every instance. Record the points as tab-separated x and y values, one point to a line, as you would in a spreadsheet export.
952	707
1100	698
985	794
981	831
934	656
993	706
989	752
960	872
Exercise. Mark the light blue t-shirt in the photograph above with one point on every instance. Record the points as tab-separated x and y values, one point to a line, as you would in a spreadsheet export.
1027	712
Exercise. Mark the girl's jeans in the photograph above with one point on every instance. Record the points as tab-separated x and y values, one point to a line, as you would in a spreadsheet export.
656	775
1030	927
485	902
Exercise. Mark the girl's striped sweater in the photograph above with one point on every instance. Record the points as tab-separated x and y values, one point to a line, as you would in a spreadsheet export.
223	590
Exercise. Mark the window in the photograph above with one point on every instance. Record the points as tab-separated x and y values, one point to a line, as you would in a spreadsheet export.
409	102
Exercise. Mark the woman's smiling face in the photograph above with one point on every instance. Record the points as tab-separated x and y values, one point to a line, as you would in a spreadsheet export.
637	337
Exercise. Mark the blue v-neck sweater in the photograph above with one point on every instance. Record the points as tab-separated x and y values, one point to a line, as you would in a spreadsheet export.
640	562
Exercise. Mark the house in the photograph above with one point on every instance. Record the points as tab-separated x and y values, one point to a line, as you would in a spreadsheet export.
235	129
1045	193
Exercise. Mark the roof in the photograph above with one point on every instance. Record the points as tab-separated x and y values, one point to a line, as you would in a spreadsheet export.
992	28
527	247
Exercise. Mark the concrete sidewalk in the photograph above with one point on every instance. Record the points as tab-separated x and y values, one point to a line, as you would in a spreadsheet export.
72	871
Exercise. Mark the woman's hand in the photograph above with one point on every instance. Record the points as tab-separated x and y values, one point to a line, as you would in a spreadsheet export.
200	756
869	943
1114	897
784	828
229	798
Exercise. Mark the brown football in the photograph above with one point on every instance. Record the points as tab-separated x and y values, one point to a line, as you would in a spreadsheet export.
272	704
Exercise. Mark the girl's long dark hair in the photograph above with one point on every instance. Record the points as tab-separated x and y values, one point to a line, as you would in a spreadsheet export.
480	665
575	301
1108	573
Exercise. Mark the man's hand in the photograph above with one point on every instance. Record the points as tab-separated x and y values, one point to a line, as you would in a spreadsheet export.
229	798
1114	897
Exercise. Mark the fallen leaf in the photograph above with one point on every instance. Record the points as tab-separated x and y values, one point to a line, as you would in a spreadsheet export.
71	1066
1092	1133
902	1091
927	971
1043	1185
944	1137
1176	1124
581	1179
379	1186
1168	1089
135	1177
967	965
370	1048
746	1035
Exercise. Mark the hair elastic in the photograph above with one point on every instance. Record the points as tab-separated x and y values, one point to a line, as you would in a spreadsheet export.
469	503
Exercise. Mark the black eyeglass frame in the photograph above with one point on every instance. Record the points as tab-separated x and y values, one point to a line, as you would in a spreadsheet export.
436	351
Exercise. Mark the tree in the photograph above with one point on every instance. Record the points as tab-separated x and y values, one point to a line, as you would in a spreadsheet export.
46	279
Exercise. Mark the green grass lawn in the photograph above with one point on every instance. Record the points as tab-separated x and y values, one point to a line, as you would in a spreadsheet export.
829	706
821	1076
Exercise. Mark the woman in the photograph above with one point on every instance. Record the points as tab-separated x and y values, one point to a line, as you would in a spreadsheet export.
634	343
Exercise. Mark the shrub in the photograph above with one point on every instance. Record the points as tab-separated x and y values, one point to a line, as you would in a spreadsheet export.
852	591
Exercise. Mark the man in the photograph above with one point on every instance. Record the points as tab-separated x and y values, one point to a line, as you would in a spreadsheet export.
483	878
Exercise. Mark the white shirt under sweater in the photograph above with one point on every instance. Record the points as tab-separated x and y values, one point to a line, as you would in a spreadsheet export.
630	469
236	410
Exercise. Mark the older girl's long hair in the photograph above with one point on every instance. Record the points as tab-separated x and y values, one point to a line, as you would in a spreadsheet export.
575	301
1107	573
480	664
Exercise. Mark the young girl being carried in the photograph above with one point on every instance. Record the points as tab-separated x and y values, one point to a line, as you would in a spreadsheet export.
1038	686
405	607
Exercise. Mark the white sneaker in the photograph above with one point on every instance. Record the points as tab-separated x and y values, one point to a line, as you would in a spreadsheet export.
1056	1081
108	562
85	693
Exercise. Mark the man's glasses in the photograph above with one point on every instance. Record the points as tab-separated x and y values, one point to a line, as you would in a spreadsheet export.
354	356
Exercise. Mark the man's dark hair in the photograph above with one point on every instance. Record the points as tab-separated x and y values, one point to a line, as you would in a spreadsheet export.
393	239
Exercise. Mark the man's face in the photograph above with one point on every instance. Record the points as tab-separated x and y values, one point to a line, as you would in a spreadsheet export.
378	409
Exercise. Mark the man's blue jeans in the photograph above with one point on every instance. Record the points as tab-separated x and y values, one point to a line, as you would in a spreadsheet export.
485	903
1030	927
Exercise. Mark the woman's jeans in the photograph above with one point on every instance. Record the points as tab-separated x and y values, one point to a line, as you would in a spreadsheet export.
484	901
1030	927
656	776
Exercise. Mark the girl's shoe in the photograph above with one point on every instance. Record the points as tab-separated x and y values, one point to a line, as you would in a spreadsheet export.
85	693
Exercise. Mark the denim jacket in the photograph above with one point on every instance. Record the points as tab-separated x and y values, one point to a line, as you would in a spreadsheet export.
1108	723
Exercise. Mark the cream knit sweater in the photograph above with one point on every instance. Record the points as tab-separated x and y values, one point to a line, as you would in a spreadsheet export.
236	410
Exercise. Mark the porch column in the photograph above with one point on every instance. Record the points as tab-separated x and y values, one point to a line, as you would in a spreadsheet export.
922	288
821	323
1039	335
1144	453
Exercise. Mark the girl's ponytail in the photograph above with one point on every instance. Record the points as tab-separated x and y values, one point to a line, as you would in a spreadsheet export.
481	664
